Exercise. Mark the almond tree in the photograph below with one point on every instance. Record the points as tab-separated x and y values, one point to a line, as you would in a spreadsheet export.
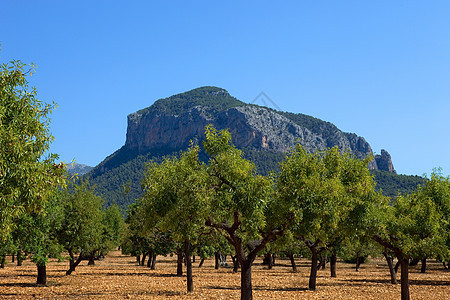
82	228
241	204
28	174
325	191
412	224
175	201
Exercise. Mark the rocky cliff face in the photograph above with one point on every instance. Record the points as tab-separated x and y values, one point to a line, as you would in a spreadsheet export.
172	123
384	162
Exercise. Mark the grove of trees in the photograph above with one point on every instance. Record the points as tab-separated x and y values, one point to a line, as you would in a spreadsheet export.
320	205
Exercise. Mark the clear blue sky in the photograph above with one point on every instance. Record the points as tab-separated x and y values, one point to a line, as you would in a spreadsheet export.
380	69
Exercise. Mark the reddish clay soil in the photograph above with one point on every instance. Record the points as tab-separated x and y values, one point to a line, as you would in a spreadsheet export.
119	277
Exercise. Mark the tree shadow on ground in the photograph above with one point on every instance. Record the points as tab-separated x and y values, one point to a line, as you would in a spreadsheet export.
411	281
259	288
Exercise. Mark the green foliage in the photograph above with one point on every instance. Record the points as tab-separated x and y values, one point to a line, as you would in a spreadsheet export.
113	228
175	197
416	224
82	227
216	99
28	175
391	184
238	188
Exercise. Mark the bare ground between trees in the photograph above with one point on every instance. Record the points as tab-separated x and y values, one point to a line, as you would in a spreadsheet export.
119	277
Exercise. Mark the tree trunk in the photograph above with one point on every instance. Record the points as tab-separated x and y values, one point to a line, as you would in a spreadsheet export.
144	256
138	259
358	263
392	271
414	262
396	267
179	262
42	275
246	281
235	263
404	278
149	261
294	266
19	258
13	257
91	259
193	258
201	262
187	252
333	260
153	262
424	265
216	260
268	260
2	261
75	264
323	261
313	274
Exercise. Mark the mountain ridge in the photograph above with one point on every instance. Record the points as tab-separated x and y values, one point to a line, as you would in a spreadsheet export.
264	134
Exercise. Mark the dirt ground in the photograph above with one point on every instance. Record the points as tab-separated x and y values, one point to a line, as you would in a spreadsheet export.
119	277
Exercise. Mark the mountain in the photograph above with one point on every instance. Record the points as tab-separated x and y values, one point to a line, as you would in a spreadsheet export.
78	169
264	134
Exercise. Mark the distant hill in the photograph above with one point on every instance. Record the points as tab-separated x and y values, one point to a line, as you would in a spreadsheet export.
392	184
264	134
79	169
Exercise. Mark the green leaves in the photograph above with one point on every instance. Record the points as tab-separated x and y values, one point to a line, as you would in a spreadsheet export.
175	196
27	176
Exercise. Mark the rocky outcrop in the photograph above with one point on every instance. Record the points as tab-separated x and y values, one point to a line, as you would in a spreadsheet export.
384	162
166	130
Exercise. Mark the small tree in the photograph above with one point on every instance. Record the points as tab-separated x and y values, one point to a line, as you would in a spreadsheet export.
113	228
324	191
175	200
82	228
241	204
411	223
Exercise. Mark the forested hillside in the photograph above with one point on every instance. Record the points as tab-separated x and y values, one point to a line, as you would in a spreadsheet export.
392	184
265	135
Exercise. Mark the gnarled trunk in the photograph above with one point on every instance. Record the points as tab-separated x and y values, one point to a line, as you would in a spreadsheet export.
392	271
75	264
